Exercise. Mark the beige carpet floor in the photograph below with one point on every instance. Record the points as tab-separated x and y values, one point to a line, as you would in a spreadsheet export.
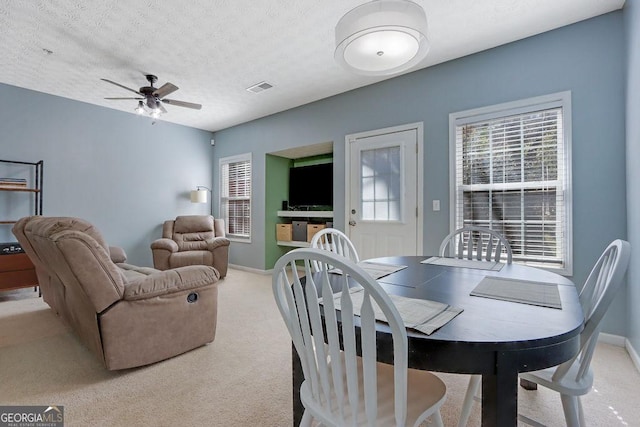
243	378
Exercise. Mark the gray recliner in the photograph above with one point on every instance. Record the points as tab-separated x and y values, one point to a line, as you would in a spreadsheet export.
127	315
192	240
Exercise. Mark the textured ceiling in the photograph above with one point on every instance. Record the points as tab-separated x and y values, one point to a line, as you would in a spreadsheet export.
214	49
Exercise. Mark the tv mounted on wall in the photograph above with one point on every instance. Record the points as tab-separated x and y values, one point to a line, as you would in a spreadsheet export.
311	186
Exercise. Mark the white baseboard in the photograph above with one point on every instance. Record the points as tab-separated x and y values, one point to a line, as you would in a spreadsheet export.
250	269
617	340
255	270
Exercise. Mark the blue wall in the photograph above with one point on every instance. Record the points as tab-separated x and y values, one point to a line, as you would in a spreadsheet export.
114	169
632	25
586	58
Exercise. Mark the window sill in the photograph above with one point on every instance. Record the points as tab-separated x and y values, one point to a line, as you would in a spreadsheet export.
239	239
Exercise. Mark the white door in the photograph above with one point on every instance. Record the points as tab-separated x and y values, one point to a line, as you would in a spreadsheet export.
384	216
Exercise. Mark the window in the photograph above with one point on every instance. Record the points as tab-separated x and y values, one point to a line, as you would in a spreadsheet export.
235	196
511	173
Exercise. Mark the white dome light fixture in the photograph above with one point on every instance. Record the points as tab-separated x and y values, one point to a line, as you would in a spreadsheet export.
382	37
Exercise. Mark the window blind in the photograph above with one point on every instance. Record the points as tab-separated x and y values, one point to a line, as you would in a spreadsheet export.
511	177
235	177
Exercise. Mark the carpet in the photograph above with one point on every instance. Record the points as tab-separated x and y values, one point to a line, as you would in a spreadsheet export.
243	378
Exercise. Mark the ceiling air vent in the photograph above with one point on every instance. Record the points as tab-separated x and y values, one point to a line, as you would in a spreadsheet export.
259	87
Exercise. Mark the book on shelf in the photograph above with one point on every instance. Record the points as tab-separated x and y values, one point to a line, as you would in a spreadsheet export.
3	185
14	182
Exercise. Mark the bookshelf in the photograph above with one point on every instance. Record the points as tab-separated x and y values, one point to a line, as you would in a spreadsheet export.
16	269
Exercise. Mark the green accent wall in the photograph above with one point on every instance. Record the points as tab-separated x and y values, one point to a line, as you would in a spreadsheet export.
276	190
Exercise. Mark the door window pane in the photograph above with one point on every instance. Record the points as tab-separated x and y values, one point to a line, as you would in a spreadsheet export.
381	185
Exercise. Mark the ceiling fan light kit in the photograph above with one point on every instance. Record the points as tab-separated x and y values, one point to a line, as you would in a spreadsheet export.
152	98
382	37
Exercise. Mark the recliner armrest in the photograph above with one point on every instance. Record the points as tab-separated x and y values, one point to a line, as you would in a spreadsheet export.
166	244
216	242
171	281
117	254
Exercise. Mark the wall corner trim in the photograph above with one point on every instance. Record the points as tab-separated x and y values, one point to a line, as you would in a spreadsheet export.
633	354
620	341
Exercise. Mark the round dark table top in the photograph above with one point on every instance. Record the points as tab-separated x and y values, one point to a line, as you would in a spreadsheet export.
486	326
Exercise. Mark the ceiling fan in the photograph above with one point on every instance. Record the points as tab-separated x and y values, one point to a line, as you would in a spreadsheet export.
153	97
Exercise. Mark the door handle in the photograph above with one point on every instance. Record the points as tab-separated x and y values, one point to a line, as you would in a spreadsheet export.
352	223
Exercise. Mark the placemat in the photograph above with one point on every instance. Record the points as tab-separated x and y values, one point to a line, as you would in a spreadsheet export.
419	314
376	270
379	269
520	291
464	263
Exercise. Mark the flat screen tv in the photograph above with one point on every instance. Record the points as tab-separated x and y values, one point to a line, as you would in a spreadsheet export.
311	186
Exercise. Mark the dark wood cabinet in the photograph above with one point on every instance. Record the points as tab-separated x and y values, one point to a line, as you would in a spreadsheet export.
17	271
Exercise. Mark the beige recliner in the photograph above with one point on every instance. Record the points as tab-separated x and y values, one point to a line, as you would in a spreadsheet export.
192	240
127	315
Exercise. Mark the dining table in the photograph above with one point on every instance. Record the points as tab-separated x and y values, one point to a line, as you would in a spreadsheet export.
494	335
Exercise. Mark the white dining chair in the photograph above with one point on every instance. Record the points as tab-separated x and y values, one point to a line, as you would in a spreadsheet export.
479	243
574	378
341	388
333	240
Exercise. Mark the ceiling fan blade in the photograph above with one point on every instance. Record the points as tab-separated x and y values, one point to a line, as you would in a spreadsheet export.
165	90
182	104
124	98
123	87
161	107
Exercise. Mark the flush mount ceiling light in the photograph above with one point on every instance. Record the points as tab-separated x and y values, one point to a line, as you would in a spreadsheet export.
382	37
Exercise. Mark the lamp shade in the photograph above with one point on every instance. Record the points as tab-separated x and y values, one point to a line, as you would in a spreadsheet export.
382	37
199	196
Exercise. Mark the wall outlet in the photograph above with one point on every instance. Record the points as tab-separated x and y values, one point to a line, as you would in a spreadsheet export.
436	205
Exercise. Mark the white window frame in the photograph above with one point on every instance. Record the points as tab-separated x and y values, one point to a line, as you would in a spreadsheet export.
225	161
556	100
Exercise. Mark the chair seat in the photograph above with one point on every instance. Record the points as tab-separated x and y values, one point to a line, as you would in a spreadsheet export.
195	257
567	385
425	394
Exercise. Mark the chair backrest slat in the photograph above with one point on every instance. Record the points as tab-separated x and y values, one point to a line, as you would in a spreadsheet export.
461	242
368	340
317	335
490	251
350	352
333	338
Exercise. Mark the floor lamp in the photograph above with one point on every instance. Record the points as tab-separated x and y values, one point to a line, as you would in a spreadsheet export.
199	195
